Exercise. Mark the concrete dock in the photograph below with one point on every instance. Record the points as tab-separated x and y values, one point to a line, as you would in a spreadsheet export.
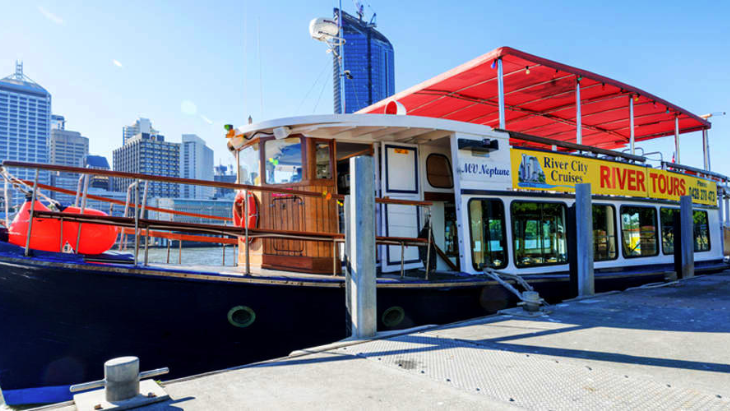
658	347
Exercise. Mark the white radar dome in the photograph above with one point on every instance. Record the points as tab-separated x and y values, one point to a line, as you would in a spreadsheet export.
323	29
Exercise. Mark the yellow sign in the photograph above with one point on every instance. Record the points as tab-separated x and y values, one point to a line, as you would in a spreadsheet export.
537	170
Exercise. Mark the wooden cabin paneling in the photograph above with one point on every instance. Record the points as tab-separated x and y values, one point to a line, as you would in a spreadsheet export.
279	211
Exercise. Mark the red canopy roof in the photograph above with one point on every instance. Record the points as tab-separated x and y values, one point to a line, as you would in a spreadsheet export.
540	100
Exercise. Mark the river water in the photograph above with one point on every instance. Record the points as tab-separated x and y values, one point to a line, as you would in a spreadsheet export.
192	256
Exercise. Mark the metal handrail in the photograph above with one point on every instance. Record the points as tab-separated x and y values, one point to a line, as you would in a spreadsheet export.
138	219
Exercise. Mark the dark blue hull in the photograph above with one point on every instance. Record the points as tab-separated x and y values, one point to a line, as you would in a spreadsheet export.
61	318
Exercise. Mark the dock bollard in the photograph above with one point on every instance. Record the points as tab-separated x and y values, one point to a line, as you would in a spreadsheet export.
121	379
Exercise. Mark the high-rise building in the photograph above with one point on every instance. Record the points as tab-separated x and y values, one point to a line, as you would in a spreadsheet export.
148	154
223	175
58	122
98	163
25	124
196	161
369	65
66	148
142	125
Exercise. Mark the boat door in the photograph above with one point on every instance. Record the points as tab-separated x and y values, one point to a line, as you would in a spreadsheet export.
400	180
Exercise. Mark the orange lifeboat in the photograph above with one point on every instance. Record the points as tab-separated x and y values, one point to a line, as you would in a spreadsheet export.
46	235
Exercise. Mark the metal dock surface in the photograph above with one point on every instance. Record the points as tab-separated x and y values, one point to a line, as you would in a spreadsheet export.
662	348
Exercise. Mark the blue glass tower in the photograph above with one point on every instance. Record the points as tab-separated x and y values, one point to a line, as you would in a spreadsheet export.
369	58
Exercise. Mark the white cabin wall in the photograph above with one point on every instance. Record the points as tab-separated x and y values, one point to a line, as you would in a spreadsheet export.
715	252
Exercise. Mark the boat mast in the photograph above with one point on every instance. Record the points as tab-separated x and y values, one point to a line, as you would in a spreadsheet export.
341	59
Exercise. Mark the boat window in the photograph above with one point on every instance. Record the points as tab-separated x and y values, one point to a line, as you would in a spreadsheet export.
488	238
666	215
538	230
322	156
638	230
701	230
604	233
249	162
438	171
283	161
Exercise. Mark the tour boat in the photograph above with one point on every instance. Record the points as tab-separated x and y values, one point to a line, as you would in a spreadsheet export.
475	174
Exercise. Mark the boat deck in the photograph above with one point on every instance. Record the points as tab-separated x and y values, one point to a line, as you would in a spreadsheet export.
662	347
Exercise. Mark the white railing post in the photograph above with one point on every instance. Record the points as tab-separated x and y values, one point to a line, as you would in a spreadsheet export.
83	207
32	210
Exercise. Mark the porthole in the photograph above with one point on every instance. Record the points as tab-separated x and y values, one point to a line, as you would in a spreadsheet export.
241	316
393	316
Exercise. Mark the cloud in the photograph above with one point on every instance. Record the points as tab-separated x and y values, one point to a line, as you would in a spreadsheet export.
50	16
188	107
117	63
206	119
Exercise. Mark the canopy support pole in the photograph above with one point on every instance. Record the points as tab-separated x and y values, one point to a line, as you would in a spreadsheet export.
631	123
500	92
676	139
706	148
578	122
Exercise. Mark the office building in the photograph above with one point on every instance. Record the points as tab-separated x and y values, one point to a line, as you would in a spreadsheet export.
369	65
148	154
25	124
142	125
224	174
196	162
66	148
98	163
58	122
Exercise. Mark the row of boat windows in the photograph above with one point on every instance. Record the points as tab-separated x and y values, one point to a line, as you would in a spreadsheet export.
539	232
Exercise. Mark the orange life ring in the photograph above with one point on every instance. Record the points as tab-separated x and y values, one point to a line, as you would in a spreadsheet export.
239	209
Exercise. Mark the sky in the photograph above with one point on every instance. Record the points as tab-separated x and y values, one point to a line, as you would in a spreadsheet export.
193	66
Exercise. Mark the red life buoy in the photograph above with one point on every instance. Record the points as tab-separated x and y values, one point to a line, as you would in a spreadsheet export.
46	235
239	210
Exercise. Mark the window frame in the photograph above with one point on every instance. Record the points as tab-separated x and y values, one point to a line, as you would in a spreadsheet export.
238	160
332	154
565	231
662	227
615	230
657	225
451	171
504	231
302	153
709	234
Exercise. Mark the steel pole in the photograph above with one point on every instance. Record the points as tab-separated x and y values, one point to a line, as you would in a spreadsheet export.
500	94
584	244
676	139
631	123
361	277
686	223
706	148
247	269
578	119
83	208
136	220
32	210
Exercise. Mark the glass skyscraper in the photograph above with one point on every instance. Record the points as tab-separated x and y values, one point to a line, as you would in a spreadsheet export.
369	58
25	124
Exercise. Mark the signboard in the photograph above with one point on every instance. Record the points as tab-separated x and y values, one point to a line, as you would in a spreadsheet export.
536	170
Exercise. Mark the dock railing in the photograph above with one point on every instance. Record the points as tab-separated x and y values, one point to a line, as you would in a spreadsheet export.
138	225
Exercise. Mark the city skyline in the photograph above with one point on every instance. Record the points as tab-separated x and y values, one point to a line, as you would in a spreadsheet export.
192	74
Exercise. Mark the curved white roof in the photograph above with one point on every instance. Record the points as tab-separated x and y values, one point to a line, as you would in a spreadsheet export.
365	127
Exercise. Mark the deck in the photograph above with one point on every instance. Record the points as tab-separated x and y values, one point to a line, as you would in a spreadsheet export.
648	348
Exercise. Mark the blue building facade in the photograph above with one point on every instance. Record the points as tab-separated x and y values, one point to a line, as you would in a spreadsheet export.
370	60
25	124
